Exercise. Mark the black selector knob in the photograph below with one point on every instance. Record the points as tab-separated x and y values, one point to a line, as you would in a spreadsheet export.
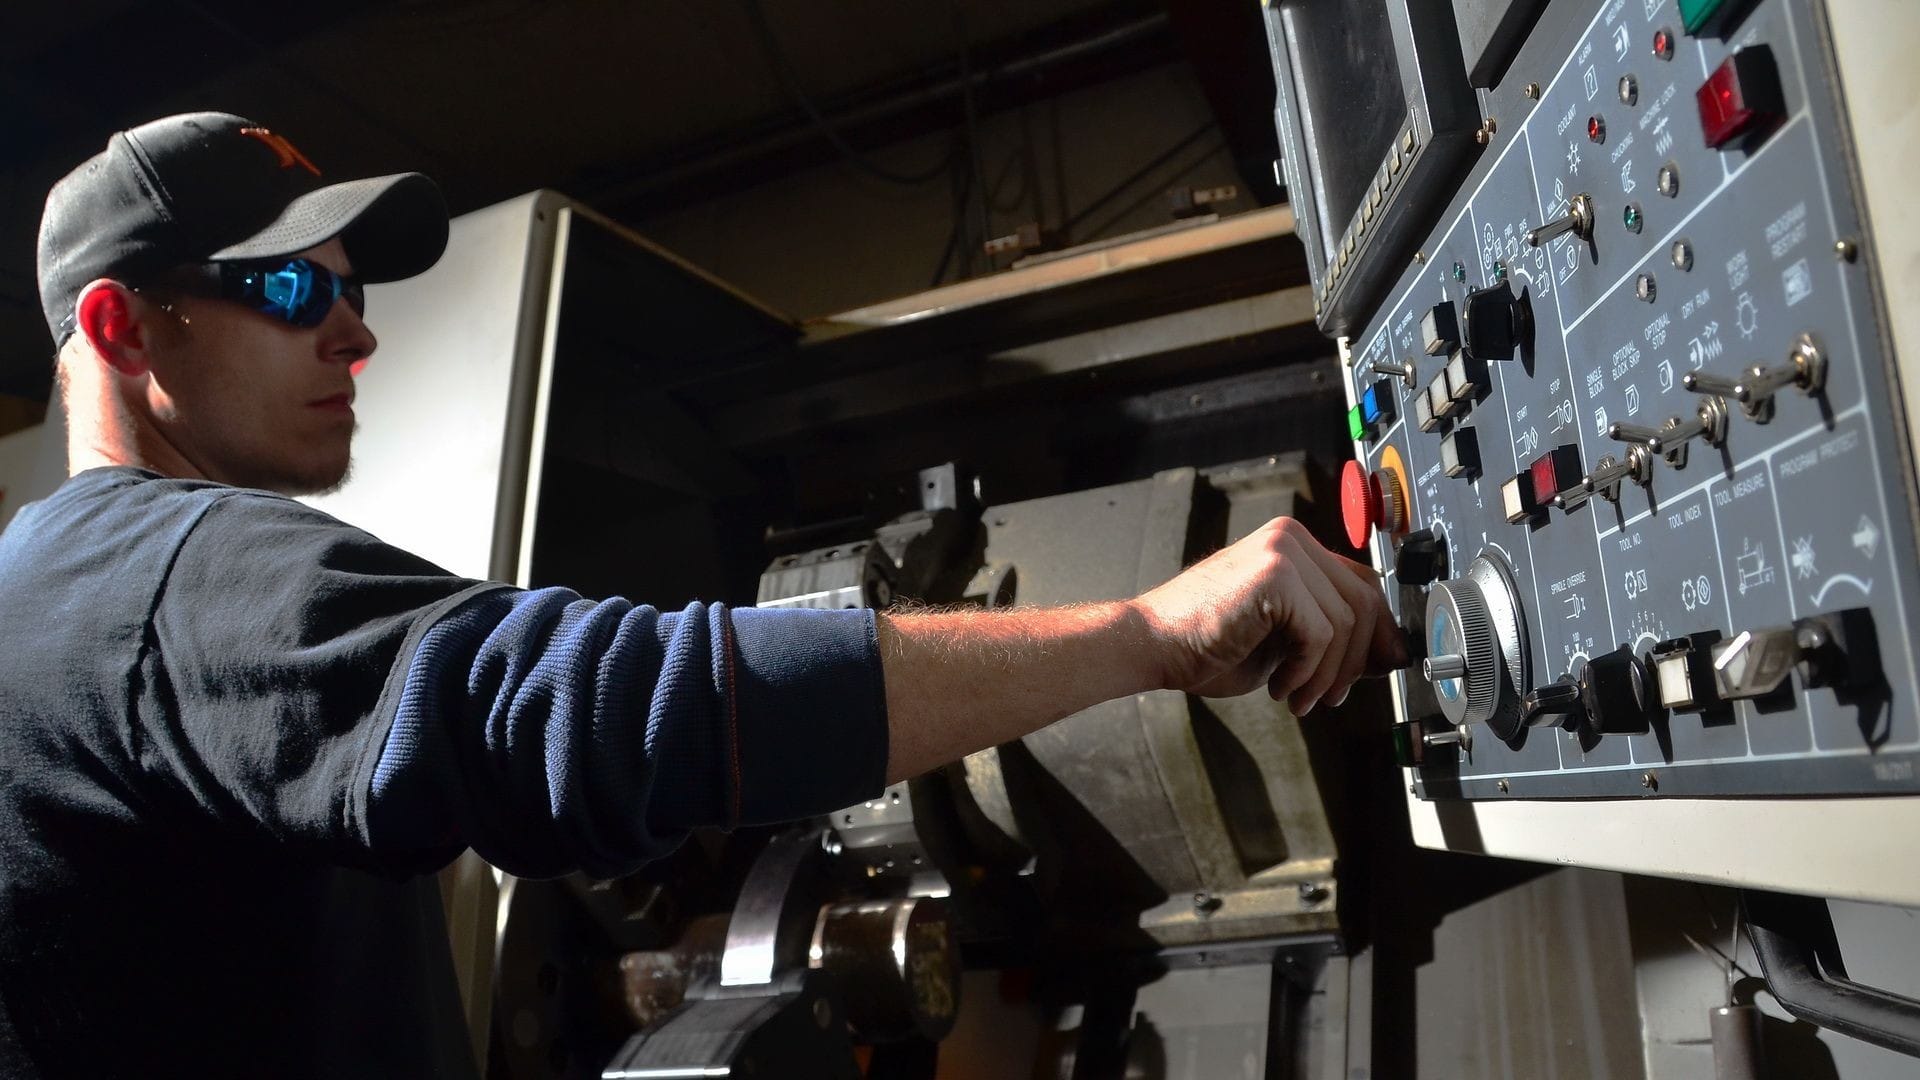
1617	693
1495	324
1608	695
1421	559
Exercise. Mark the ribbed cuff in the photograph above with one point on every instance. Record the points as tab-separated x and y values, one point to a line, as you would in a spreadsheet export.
811	709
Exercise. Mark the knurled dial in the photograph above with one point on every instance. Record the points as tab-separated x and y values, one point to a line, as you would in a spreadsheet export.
1462	661
1476	646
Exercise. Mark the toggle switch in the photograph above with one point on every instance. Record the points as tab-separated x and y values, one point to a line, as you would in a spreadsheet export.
1608	473
1578	220
1402	370
1753	390
1413	743
1669	440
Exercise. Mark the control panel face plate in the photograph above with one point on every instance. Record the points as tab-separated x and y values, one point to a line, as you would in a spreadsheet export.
1699	260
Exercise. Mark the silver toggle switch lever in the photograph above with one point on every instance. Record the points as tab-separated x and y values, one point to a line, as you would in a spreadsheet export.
1670	440
1608	474
1806	369
1578	220
1400	369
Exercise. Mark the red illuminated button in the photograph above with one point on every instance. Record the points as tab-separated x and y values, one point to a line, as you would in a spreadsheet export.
1554	472
1596	129
1742	96
1360	503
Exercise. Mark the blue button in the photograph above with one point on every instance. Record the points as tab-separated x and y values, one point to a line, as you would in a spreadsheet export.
1376	404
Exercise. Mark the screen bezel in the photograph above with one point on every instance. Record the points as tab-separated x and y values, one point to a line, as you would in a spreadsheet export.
1442	115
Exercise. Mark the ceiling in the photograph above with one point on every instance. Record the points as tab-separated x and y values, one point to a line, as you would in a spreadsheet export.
637	108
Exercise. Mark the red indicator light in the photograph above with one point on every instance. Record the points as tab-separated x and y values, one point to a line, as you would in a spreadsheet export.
1740	97
1596	129
1663	43
1556	471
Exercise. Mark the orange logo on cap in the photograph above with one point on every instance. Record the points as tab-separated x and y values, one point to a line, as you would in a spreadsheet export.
288	154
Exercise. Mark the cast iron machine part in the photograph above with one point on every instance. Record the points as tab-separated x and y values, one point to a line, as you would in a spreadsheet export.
798	977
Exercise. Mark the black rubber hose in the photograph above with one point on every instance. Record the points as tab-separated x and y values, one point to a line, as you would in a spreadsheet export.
1800	957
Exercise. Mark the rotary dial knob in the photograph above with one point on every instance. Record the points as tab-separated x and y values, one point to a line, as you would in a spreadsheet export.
1477	656
1463	663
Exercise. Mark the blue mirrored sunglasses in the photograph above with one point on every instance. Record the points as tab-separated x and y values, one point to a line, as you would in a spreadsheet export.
299	292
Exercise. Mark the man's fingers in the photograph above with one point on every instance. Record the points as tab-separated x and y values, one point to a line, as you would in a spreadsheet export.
1387	649
1369	607
1339	617
1308	634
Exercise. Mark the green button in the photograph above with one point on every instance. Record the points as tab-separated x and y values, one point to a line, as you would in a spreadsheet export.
1695	14
1356	424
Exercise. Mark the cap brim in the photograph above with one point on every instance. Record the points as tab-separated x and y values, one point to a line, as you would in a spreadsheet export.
393	227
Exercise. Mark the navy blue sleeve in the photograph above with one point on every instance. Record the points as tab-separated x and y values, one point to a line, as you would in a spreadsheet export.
553	733
307	683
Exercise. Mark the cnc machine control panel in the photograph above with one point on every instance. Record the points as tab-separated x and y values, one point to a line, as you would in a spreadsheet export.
1628	446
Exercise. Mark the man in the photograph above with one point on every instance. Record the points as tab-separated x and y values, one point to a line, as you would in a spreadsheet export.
237	734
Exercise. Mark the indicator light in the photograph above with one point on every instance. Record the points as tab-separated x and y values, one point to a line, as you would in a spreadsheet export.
1556	471
1663	43
1596	129
1356	427
1459	272
1741	97
1630	217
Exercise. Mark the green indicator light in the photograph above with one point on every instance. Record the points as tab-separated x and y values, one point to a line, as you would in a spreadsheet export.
1356	424
1459	272
1499	271
1631	217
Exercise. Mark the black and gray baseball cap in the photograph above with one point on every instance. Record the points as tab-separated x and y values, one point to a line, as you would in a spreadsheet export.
206	187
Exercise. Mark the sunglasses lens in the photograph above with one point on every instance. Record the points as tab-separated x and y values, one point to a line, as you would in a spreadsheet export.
298	291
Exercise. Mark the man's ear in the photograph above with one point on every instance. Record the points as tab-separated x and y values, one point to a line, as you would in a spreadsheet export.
108	315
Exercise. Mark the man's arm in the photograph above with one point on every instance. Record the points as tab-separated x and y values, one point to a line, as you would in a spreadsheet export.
1275	608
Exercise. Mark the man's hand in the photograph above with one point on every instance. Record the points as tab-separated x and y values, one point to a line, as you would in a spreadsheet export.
1274	608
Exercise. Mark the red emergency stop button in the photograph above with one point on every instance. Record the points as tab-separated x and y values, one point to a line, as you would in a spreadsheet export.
1370	500
1359	503
1741	97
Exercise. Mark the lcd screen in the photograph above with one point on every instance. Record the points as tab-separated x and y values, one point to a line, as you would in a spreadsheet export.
1352	103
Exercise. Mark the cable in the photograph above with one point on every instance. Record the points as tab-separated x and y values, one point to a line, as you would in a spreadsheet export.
1136	176
789	82
973	129
1121	215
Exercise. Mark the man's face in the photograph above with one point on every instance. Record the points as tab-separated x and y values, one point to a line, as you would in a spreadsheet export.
254	401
